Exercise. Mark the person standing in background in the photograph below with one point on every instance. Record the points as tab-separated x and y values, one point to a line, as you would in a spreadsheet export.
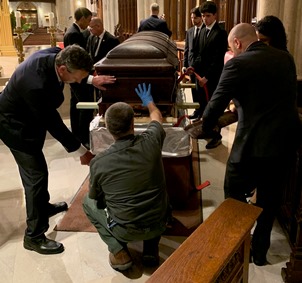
80	118
74	34
271	31
209	61
191	51
99	43
154	22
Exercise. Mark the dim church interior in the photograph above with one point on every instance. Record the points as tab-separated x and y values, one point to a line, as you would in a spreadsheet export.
85	258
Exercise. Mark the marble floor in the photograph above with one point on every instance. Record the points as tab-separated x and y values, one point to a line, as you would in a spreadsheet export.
85	259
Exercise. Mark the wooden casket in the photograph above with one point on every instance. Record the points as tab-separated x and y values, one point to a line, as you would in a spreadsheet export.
146	57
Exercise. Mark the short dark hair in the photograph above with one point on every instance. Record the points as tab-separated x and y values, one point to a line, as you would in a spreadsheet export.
119	119
208	7
154	7
82	12
74	58
196	12
273	28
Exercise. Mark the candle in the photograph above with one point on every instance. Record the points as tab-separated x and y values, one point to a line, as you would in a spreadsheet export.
51	17
18	19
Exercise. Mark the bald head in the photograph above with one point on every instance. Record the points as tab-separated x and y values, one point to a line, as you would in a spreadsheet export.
240	37
96	26
96	20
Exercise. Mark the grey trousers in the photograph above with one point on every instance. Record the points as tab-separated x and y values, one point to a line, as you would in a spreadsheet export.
117	236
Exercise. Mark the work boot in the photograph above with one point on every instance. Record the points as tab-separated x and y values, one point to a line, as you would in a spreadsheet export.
150	252
121	260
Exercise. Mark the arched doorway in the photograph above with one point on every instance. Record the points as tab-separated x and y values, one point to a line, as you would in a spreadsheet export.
29	16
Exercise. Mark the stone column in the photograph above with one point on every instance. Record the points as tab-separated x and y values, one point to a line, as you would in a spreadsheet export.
290	20
268	7
110	14
298	40
6	37
289	12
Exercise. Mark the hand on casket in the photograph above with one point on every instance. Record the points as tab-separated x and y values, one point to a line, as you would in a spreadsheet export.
144	93
100	81
86	158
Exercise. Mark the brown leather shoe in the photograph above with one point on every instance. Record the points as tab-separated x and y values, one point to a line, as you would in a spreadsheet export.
120	261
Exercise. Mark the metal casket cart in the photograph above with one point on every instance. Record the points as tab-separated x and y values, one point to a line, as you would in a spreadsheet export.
151	57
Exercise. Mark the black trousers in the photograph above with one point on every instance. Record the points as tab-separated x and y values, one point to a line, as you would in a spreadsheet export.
80	118
200	96
269	177
34	175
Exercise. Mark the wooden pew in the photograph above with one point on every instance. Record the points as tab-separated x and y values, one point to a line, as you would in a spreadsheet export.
217	251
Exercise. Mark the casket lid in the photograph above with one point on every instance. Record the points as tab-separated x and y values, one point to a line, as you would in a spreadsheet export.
136	50
146	45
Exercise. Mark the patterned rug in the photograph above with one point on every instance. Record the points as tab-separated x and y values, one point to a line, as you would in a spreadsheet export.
41	37
75	219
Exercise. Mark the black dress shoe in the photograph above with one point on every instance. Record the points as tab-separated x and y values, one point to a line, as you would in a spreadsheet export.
260	261
213	143
258	258
42	245
55	208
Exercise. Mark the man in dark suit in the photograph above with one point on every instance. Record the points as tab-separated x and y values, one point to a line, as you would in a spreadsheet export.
74	34
81	118
28	109
261	81
154	22
191	51
209	62
99	43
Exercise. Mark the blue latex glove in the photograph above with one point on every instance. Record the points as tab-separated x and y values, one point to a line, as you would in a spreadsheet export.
144	93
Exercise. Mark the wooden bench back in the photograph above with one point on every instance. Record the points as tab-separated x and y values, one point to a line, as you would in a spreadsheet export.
217	251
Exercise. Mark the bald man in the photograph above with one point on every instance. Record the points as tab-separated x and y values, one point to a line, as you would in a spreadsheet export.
261	81
100	42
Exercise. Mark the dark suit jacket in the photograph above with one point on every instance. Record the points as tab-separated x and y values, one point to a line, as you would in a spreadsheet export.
154	23
191	50
73	35
108	42
210	59
262	83
28	105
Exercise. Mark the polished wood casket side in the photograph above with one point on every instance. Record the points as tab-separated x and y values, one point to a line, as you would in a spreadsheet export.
146	57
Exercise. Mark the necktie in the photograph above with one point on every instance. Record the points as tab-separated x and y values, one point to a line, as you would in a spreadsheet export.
96	45
196	33
196	36
207	32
